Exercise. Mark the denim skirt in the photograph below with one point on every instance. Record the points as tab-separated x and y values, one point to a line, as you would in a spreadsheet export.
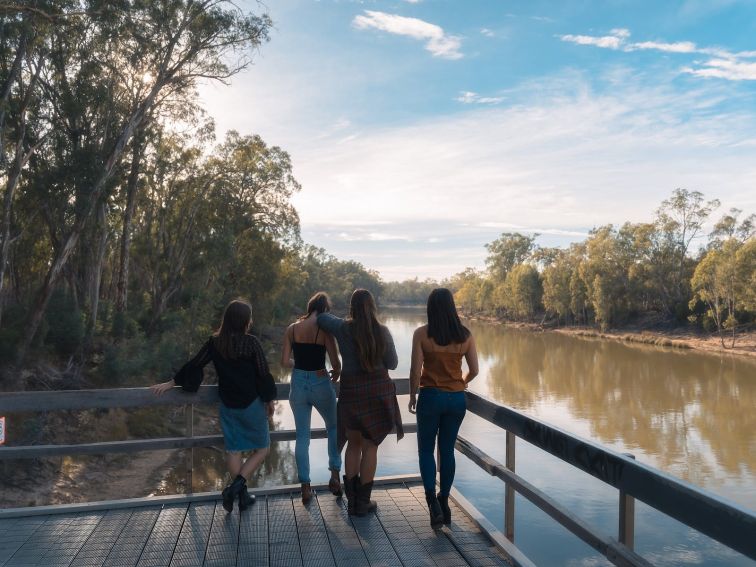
245	429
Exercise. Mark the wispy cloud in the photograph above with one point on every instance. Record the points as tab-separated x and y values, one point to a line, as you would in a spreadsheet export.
733	66
487	32
470	97
437	41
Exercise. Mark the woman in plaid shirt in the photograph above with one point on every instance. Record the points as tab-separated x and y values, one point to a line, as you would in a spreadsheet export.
367	409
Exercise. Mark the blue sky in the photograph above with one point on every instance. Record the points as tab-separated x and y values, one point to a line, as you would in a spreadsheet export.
422	129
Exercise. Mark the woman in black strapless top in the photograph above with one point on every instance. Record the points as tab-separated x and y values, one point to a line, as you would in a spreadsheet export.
312	386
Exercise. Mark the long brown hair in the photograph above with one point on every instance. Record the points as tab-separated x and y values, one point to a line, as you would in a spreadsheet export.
366	329
237	317
319	303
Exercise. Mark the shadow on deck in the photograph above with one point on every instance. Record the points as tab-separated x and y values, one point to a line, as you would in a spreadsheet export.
277	530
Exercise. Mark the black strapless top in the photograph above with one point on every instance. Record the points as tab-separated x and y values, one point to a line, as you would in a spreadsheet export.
308	356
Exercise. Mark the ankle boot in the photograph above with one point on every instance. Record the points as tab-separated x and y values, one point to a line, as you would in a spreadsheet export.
349	493
245	499
362	494
230	493
436	515
444	503
306	493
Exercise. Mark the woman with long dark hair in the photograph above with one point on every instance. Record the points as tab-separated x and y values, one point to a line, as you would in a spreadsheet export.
367	408
247	396
312	386
436	369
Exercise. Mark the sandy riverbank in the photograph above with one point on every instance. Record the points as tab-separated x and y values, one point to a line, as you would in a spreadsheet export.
745	344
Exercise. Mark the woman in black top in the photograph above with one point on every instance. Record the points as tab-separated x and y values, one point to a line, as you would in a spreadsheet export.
247	393
312	386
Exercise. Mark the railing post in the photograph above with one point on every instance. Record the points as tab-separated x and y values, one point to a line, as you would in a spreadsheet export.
509	493
627	516
190	452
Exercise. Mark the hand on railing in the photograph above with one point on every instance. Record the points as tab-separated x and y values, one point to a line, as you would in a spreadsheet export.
163	387
413	403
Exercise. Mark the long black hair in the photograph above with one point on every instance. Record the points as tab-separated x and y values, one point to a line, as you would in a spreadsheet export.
366	329
444	326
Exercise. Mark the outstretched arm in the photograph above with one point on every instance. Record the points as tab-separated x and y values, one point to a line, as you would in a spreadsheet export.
200	360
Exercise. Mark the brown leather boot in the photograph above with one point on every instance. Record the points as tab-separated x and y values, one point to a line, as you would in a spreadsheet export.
306	493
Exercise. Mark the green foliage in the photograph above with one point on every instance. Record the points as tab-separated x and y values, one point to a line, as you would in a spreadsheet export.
65	323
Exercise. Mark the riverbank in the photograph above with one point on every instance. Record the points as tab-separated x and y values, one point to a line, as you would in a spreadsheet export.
745	344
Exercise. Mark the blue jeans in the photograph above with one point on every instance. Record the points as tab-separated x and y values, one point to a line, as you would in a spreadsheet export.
308	390
439	413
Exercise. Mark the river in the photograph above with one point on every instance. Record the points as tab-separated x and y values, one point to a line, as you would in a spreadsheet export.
687	413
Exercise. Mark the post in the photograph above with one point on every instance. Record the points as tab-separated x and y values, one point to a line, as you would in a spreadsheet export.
627	516
190	452
509	493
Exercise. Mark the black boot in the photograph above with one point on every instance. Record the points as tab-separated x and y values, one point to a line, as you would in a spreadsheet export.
232	491
444	503
349	493
362	494
434	507
245	499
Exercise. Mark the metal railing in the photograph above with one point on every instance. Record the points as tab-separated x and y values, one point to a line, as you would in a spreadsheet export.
711	515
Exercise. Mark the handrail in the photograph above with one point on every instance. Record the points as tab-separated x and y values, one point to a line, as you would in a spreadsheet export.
712	515
54	400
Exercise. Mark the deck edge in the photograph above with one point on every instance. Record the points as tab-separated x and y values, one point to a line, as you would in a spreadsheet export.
518	558
172	499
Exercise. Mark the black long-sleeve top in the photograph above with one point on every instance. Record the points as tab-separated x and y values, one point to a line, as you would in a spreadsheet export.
240	380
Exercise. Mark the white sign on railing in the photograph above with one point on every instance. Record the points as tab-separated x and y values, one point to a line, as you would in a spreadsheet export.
2	430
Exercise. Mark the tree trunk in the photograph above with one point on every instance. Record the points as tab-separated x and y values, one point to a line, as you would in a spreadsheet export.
128	215
71	240
94	278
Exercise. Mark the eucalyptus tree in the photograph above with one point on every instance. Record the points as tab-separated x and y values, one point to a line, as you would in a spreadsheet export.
110	69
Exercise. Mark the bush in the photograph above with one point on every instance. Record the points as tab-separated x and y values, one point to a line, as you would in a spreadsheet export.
65	323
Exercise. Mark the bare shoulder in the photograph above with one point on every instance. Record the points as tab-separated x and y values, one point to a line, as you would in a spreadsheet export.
421	332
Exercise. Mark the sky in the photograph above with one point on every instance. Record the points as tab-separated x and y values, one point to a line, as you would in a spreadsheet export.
420	130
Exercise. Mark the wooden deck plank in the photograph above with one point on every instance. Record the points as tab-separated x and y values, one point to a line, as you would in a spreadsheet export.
195	532
283	538
95	550
345	545
253	535
313	537
465	536
14	533
278	530
158	550
56	542
376	544
223	544
130	543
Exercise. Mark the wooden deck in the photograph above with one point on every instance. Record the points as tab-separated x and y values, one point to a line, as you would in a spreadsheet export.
278	530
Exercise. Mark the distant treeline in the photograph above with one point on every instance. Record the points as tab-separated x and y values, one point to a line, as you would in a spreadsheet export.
125	226
616	274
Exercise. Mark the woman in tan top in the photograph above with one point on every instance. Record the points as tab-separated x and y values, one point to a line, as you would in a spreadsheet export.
437	352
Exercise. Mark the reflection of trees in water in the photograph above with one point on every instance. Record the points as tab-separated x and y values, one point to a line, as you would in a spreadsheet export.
209	472
659	401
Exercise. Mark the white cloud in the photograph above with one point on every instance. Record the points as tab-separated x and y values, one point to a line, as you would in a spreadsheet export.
437	41
413	1
487	32
733	66
677	47
470	97
725	69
